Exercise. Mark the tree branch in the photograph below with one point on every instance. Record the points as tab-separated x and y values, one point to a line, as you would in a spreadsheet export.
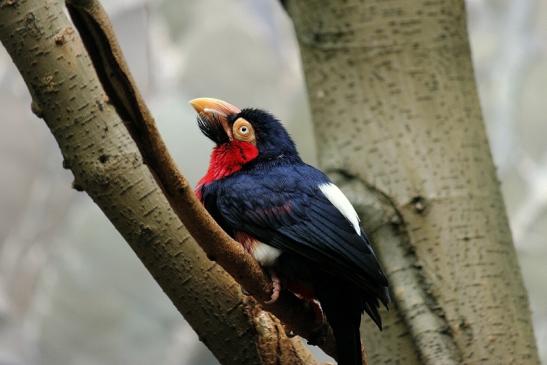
107	164
96	31
97	34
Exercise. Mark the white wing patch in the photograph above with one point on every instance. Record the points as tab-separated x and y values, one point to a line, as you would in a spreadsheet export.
265	255
339	200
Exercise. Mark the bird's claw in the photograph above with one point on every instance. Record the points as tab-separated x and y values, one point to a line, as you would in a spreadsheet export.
276	284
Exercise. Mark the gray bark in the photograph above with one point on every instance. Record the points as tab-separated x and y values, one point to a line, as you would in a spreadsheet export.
397	116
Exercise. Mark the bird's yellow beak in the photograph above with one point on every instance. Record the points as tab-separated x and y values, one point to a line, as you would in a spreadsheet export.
214	106
214	112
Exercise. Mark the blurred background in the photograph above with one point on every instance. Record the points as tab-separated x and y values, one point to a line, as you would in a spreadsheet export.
72	291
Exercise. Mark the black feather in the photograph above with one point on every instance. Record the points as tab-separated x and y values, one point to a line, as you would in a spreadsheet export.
212	128
291	213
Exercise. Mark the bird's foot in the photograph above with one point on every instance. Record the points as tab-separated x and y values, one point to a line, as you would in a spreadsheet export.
276	284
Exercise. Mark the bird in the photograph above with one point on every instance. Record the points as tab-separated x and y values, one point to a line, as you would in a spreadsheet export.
295	222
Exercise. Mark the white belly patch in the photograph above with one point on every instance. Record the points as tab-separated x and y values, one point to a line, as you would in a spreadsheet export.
265	255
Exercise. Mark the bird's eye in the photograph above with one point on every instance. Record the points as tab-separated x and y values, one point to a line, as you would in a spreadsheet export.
243	130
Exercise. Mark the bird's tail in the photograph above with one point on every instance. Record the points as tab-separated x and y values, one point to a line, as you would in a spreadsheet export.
344	318
348	345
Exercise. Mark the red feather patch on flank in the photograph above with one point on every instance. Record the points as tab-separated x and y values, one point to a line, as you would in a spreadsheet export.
247	241
225	160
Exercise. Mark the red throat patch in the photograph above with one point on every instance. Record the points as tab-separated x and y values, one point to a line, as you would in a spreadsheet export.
227	159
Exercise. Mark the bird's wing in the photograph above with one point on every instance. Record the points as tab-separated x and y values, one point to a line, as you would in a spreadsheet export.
293	212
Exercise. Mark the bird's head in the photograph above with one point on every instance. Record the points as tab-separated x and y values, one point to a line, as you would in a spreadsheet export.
241	136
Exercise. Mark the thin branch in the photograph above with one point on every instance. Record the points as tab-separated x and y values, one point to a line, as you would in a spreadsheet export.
96	31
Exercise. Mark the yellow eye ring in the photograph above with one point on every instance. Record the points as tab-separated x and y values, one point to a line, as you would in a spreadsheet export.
243	130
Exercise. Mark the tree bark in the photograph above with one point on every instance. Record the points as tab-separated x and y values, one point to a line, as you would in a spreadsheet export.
98	148
397	116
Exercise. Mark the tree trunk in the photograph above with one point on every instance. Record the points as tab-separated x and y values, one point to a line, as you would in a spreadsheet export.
397	116
106	163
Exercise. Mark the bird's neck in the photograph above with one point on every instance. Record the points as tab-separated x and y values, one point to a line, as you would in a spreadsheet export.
226	160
